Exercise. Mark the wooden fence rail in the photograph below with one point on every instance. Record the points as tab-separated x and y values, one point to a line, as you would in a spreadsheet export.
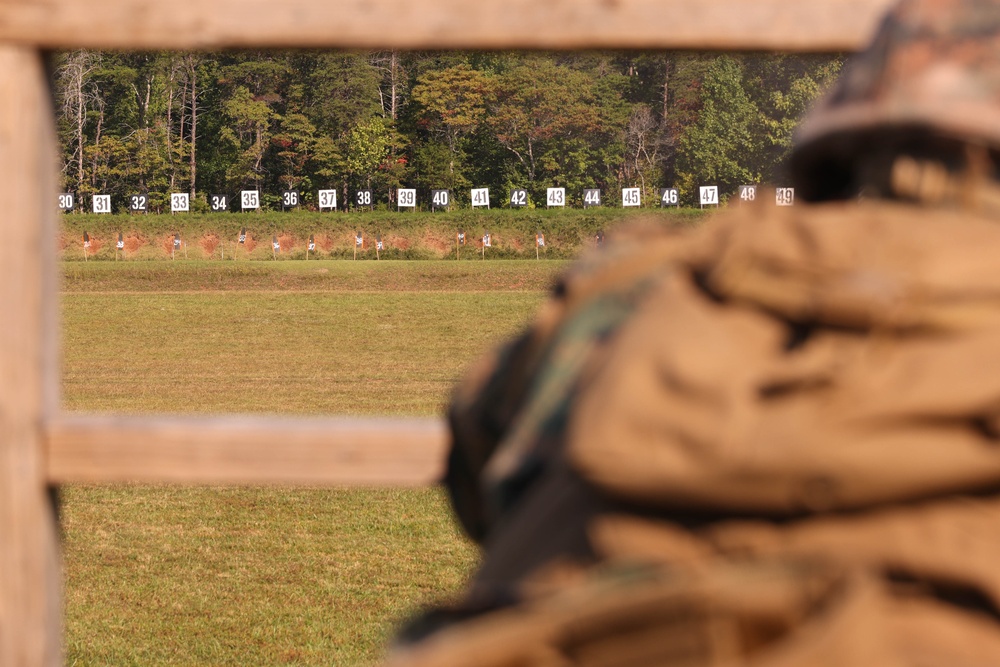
38	447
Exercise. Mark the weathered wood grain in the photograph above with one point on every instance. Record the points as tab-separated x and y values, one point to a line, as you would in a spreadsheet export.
30	608
246	450
813	25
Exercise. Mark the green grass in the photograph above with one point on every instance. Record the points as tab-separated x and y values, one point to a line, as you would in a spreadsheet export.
237	576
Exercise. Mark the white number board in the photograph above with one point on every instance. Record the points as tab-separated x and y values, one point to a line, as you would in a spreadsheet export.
219	203
748	193
487	240
784	196
138	203
180	202
66	201
631	197
709	195
591	197
289	198
250	200
670	197
480	197
328	199
518	198
406	198
440	198
102	203
363	198
555	197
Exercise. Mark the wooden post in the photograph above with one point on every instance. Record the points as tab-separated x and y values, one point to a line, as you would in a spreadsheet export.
30	607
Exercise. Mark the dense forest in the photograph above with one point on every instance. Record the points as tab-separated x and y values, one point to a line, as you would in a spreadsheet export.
221	122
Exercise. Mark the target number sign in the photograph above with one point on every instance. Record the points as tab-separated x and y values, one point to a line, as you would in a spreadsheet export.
219	203
591	197
250	200
180	202
461	238
275	244
670	197
486	240
66	201
102	203
362	198
289	198
631	197
328	199
555	197
784	196
406	198
518	198
138	203
748	193
440	198
359	239
708	195
540	240
177	241
480	197
121	242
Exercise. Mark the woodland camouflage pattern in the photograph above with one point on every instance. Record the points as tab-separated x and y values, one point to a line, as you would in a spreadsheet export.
773	442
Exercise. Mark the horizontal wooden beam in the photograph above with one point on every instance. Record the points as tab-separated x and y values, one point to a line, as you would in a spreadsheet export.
809	25
245	450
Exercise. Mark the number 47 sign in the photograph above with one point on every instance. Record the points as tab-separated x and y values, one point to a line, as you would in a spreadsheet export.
709	195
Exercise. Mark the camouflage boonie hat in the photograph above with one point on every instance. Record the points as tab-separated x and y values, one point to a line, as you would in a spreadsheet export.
934	64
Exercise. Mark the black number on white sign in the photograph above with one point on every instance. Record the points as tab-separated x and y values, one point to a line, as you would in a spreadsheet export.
407	197
784	196
631	197
102	203
327	199
179	202
555	197
709	195
480	197
250	200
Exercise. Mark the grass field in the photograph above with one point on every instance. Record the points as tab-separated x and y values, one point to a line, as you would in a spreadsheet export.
251	576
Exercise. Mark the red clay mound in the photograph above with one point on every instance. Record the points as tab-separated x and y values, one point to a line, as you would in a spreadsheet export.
250	244
134	242
395	241
286	241
324	243
209	244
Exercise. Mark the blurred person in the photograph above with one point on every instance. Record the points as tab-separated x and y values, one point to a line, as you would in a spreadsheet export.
775	441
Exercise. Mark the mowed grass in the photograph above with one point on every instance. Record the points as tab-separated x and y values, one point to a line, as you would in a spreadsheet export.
269	576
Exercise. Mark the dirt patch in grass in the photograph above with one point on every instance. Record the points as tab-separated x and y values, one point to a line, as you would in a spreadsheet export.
324	242
286	241
209	244
396	241
133	242
437	242
250	243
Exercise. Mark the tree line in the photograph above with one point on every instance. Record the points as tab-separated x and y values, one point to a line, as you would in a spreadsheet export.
308	120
